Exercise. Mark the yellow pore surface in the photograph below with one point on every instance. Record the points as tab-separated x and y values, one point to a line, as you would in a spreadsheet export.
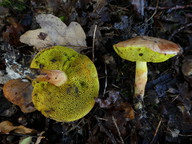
75	98
141	54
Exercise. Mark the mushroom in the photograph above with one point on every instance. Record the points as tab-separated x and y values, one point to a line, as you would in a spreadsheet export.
143	49
69	100
56	77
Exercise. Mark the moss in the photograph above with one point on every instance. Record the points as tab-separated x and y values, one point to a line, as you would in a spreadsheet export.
12	4
141	54
75	98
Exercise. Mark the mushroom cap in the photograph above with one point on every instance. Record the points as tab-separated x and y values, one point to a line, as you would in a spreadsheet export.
148	49
75	98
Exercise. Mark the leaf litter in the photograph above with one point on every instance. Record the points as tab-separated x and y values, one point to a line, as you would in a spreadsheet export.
19	93
54	32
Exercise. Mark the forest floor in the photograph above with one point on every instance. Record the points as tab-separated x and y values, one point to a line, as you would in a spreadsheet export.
167	109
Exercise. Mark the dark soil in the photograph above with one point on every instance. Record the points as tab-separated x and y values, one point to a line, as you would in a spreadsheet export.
167	113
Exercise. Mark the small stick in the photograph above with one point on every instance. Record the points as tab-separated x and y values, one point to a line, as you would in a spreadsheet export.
93	49
105	87
114	121
156	7
107	132
170	8
185	135
180	29
157	129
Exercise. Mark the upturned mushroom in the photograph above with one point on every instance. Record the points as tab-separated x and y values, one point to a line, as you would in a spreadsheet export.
71	99
143	49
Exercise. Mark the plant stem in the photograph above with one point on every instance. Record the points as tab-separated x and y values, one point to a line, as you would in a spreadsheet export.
55	77
140	83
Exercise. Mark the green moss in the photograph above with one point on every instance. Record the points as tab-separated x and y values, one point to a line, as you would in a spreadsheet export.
75	98
62	18
141	54
18	5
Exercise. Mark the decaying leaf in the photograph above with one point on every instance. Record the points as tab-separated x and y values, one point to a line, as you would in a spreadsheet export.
26	140
51	24
115	103
37	38
56	32
19	93
74	35
109	101
13	32
187	66
129	113
7	127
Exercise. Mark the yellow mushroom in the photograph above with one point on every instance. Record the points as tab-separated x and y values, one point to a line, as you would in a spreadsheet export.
73	99
143	49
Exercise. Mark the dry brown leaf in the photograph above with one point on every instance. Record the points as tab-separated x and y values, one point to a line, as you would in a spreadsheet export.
37	38
57	32
75	35
187	66
51	23
13	32
129	113
6	127
19	93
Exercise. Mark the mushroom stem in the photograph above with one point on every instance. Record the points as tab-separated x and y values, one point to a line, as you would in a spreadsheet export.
140	83
55	77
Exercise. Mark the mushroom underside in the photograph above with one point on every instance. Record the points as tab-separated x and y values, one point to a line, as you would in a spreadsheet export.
75	98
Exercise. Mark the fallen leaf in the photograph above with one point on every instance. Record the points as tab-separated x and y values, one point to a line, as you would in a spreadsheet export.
129	113
52	25
187	69
75	35
40	137
13	32
26	140
7	127
19	93
162	84
187	66
34	38
56	32
109	101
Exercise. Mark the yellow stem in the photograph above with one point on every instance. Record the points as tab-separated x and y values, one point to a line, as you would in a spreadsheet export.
55	77
140	83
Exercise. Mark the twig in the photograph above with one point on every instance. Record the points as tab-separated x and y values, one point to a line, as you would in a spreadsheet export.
105	87
103	119
156	7
114	121
40	137
174	98
180	29
185	135
93	49
156	130
107	132
170	8
119	7
115	86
